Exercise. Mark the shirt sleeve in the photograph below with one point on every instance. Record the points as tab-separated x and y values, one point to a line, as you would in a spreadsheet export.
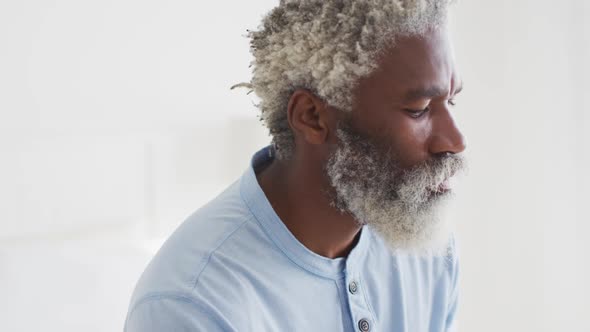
451	321
161	314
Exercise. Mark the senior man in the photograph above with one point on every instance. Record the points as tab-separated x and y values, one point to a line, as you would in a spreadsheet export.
339	224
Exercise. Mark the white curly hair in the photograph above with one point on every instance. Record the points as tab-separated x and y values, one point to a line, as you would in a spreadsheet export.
326	46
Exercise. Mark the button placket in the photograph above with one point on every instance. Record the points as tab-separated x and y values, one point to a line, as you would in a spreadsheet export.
358	307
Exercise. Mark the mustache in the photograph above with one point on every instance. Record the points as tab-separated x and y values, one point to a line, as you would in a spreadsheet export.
434	171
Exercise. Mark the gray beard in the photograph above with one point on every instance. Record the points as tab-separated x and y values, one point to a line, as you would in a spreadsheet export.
395	203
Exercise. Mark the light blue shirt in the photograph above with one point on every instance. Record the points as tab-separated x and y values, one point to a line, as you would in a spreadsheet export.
234	266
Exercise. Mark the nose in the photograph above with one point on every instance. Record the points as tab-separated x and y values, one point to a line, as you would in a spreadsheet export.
446	136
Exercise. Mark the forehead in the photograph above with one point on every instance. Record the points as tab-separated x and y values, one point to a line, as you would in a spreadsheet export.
413	63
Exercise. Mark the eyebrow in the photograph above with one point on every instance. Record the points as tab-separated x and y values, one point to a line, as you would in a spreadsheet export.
429	93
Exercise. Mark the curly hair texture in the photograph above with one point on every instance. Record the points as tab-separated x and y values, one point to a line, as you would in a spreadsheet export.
326	46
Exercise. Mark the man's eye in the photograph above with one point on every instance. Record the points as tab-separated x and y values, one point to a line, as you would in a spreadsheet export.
452	102
417	113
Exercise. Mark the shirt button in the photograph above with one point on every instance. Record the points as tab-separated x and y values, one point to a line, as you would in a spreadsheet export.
353	287
364	325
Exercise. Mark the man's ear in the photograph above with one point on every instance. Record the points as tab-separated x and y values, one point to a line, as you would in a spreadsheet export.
309	117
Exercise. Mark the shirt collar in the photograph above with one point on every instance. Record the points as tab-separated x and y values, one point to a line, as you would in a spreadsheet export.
260	207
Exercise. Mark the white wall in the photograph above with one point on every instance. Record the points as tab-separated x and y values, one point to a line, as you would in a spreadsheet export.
523	218
116	122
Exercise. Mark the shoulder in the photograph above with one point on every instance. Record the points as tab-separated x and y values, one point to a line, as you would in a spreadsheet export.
168	311
170	283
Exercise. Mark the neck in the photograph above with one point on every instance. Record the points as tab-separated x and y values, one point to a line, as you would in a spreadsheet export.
298	194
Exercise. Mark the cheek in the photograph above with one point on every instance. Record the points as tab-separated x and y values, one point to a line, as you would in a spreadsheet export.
405	136
409	137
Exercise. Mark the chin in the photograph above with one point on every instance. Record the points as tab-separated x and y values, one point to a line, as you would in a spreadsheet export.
423	231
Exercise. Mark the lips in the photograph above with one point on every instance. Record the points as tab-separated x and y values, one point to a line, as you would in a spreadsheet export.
445	186
442	188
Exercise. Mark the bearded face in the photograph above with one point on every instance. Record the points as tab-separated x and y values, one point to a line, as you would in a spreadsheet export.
404	206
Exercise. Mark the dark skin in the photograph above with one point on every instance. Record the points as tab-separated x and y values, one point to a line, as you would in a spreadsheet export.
406	105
